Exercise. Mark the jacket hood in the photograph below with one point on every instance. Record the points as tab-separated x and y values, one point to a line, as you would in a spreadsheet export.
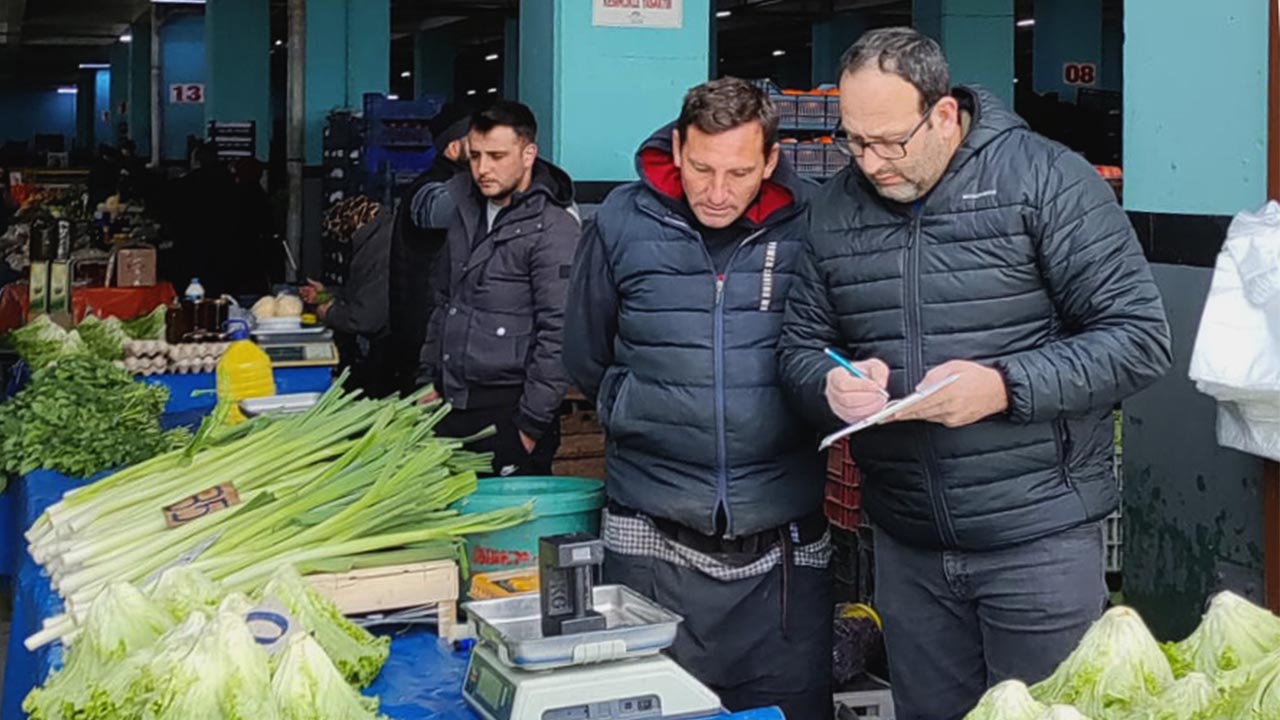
655	163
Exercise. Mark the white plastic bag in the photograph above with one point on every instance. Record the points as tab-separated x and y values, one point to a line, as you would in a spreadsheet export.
1237	352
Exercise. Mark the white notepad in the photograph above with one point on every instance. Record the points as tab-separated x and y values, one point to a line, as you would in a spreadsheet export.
893	407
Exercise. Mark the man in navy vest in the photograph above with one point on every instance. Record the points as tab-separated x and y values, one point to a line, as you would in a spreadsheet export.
715	487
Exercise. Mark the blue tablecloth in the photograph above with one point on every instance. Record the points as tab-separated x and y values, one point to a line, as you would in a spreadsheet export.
191	396
422	678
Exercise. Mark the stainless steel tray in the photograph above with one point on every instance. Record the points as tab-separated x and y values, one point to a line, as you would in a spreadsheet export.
635	627
279	404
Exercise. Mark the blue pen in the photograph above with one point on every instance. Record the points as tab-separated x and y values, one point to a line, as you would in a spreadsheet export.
843	362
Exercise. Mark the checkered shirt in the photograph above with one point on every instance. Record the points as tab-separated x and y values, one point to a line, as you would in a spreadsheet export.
627	535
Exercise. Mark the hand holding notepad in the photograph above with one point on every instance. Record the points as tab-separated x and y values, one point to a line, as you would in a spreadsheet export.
893	407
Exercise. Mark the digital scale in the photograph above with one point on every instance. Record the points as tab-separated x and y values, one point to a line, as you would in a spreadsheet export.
574	651
298	347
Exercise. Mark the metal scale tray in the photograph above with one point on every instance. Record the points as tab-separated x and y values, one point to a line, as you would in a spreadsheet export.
635	627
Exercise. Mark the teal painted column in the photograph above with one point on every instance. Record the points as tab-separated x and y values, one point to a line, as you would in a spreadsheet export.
182	62
103	132
831	38
511	58
1112	54
433	63
368	49
599	92
119	88
348	54
140	86
1210	155
86	85
238	61
977	36
1066	31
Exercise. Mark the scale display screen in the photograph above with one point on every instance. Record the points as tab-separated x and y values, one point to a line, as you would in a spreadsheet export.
489	688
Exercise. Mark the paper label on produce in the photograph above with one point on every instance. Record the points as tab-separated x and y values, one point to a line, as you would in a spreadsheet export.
185	558
205	502
271	625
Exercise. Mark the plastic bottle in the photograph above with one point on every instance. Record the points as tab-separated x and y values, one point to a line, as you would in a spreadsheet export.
243	372
195	291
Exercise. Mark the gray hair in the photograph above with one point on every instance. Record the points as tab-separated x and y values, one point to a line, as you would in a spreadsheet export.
902	51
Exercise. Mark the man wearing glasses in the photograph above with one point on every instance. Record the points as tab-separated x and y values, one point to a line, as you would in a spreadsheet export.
960	243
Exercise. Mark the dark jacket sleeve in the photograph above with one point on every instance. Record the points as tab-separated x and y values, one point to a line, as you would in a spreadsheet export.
432	206
809	327
545	382
1106	298
591	316
362	305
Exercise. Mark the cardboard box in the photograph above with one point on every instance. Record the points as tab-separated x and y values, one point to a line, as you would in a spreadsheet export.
136	267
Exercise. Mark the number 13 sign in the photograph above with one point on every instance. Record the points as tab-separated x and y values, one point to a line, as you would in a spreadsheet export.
186	93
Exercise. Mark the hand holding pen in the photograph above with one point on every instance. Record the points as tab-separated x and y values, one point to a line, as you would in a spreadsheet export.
856	390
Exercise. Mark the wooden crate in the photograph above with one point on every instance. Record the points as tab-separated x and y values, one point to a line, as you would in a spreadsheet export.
395	587
582	440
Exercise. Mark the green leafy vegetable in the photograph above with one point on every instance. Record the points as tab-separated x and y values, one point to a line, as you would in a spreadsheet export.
357	653
81	416
147	327
1233	633
1194	697
103	338
42	341
1062	712
306	686
1010	700
1117	667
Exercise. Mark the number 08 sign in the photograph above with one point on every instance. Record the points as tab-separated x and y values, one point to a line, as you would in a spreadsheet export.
1080	74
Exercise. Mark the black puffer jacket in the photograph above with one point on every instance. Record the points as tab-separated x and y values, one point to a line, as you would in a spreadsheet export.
497	319
1020	259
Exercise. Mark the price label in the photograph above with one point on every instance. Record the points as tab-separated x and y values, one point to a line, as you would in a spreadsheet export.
1080	74
271	625
205	502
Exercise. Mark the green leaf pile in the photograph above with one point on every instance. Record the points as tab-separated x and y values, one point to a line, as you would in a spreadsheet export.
80	416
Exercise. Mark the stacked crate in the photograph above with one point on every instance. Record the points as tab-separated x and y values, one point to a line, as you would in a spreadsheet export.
844	488
581	452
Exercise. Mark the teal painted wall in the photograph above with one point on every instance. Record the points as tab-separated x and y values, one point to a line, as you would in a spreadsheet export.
102	129
830	39
1195	122
977	36
348	55
368	48
32	112
182	61
1066	31
238	61
607	88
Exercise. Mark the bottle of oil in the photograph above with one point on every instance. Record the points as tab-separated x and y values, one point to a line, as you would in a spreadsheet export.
244	371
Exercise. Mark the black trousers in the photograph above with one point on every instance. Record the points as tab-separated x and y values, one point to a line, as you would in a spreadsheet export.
733	637
509	456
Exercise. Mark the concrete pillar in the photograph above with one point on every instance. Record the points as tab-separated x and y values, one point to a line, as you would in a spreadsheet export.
1067	32
1112	54
599	91
1200	158
977	36
433	63
119	89
140	86
103	129
85	87
831	37
238	61
348	49
182	62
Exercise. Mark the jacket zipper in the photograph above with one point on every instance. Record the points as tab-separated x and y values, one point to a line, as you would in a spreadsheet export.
915	372
722	443
1060	441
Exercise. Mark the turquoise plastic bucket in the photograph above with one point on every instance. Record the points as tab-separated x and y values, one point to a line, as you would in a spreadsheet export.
560	505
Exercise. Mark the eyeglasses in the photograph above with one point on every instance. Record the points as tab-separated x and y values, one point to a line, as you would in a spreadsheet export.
884	149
